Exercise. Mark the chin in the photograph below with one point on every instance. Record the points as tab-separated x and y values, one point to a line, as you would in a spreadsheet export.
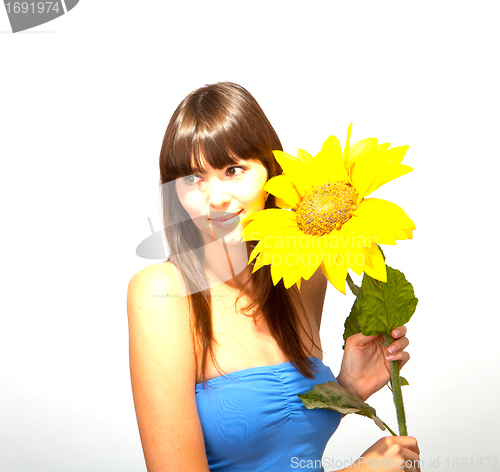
232	237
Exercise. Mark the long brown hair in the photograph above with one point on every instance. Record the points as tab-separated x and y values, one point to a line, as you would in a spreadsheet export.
220	121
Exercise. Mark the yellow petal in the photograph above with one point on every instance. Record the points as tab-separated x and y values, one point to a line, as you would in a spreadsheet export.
364	174
276	273
256	250
297	170
270	214
361	147
280	269
395	155
308	260
371	165
384	174
328	164
259	262
376	224
408	233
335	273
282	188
259	223
369	229
282	204
298	283
290	277
385	210
274	258
393	171
356	259
375	265
346	148
304	156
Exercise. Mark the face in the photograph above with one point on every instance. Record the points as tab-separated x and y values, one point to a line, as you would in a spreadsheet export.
217	200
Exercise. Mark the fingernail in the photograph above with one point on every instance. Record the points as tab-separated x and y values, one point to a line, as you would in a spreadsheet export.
396	333
391	348
390	357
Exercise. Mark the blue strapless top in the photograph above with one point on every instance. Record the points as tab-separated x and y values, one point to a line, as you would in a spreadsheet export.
252	419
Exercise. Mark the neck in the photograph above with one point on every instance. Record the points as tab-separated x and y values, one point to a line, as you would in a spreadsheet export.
226	264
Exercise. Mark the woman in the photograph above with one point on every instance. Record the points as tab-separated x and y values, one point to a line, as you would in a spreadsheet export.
218	354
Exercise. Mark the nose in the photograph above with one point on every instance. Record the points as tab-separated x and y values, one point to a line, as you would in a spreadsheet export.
218	196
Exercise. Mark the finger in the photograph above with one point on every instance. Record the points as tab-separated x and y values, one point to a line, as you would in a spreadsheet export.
398	332
361	339
408	442
411	462
399	345
402	358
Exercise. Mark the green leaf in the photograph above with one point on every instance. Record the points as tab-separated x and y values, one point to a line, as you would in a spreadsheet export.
385	306
351	325
332	396
356	291
403	383
382	252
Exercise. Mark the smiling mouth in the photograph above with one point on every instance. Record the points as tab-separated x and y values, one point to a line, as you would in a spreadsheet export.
225	221
226	217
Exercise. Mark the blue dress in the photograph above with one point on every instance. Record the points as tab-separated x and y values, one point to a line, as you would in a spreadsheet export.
252	420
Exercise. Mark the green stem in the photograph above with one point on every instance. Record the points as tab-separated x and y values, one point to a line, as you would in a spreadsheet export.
396	390
390	430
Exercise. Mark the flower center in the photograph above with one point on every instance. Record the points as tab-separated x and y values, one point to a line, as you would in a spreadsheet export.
326	208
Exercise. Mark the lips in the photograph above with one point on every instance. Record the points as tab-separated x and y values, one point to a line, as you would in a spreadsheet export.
226	217
226	220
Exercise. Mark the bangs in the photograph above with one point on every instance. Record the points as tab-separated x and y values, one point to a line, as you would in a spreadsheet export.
192	150
193	157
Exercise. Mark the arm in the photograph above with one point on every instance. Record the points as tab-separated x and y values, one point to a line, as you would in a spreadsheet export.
163	373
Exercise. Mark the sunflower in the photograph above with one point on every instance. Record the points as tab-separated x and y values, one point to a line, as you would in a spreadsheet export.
324	218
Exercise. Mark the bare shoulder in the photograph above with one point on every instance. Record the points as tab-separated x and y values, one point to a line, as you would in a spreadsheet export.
156	309
158	313
155	280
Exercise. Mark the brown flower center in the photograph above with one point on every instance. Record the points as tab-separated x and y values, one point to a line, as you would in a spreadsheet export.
326	208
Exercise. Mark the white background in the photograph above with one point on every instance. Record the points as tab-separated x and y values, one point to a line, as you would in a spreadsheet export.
85	101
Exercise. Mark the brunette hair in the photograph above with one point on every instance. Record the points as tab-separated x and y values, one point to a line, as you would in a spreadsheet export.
220	122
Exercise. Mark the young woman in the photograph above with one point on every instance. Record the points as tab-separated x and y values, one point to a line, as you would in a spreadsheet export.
218	354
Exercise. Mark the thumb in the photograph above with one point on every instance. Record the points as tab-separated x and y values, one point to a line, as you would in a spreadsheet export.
360	339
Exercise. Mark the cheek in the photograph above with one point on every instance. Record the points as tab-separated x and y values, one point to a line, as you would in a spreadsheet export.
258	202
191	201
254	197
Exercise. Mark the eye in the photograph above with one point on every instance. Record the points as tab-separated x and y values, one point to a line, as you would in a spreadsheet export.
191	179
235	170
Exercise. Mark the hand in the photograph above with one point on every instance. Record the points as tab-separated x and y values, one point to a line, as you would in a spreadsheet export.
399	453
365	365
